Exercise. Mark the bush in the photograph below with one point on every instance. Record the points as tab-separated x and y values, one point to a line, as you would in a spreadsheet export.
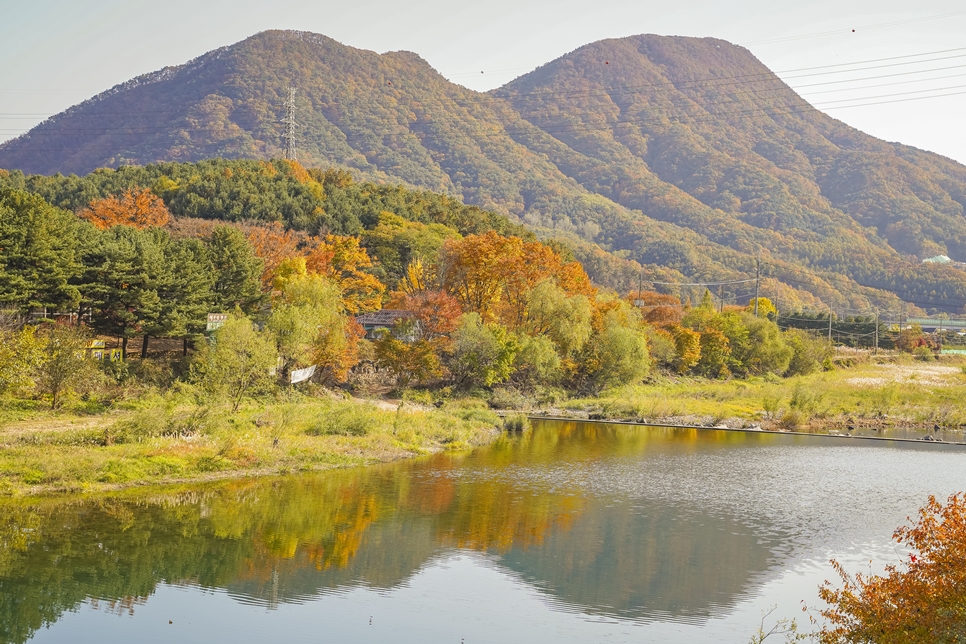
516	423
345	420
809	353
923	353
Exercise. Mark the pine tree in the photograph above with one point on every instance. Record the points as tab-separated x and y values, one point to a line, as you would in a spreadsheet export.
237	270
125	270
38	253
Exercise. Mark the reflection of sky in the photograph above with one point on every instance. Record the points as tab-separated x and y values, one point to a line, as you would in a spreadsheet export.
462	597
678	537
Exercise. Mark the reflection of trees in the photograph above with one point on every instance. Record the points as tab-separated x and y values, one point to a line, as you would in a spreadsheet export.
289	539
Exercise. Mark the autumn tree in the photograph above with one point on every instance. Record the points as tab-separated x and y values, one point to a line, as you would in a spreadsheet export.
344	261
659	309
920	601
136	207
491	274
273	244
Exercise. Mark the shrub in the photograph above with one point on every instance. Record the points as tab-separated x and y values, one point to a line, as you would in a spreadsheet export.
516	423
345	420
809	353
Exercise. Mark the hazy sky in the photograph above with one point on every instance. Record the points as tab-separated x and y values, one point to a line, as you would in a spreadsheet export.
55	53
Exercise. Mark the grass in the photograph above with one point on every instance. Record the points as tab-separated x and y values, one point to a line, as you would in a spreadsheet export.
894	390
172	438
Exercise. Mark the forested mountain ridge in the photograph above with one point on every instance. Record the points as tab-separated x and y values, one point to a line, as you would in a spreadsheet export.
678	152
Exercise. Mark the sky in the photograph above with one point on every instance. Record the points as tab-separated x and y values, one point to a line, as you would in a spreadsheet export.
56	53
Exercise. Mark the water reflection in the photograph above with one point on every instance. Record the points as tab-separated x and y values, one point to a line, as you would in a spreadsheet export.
619	521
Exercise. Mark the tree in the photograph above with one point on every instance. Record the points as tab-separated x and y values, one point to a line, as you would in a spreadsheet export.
125	271
617	353
911	338
410	362
137	207
537	362
39	253
273	244
687	344
237	271
21	352
809	353
766	309
765	350
482	353
344	261
565	319
238	361
186	292
63	361
922	600
492	275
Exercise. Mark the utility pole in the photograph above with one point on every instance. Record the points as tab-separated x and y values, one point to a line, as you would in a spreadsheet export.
720	299
289	122
640	288
830	324
876	351
757	281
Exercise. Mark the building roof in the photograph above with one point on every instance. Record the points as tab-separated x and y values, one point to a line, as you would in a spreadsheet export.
385	317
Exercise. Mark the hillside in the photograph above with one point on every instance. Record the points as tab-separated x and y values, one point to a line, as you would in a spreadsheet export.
681	153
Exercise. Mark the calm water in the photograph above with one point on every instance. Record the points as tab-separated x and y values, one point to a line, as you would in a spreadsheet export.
574	533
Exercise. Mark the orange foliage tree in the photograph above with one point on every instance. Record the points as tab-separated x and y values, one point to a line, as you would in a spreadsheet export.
658	309
923	600
273	244
342	259
491	275
137	207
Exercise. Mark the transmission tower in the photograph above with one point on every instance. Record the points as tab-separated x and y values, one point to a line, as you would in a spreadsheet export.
289	122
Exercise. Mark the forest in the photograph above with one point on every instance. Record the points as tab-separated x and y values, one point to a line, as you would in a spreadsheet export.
291	257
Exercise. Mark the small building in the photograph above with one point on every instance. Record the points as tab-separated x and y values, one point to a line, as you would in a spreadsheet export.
378	322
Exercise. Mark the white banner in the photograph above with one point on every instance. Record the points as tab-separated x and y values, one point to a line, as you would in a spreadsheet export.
300	375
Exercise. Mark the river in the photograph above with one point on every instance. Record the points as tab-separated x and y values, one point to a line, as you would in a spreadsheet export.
574	532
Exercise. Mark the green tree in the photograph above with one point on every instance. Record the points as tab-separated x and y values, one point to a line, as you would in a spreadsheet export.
21	352
63	363
306	319
124	277
617	354
537	362
763	349
809	353
566	320
185	291
38	252
238	362
237	271
482	353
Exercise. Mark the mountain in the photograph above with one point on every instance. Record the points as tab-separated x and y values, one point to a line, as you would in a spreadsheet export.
684	153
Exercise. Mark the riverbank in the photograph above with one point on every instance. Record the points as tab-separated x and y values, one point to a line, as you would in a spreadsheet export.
872	395
177	438
169	440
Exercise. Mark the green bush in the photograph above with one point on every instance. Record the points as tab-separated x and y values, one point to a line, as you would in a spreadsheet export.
349	420
516	423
